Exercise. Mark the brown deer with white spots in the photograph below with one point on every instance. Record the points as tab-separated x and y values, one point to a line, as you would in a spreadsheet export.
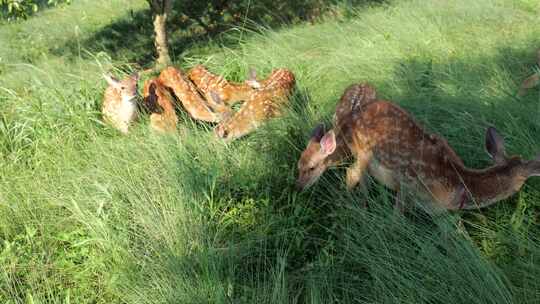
264	103
228	93
159	102
187	94
119	107
389	144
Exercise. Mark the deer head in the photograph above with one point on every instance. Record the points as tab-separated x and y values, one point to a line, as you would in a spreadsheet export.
119	101
126	88
316	157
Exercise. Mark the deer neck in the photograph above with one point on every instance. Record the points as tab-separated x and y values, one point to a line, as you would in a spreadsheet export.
342	151
488	186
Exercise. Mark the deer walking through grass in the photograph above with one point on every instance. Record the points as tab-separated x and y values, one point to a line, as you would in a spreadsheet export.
386	142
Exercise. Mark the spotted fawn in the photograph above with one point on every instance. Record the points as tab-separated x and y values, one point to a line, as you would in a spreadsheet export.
390	145
119	107
220	93
268	101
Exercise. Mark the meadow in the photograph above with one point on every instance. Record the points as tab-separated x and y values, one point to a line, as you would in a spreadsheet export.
90	216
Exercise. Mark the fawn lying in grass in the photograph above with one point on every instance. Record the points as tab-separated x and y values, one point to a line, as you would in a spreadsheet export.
388	143
264	103
120	102
221	94
205	96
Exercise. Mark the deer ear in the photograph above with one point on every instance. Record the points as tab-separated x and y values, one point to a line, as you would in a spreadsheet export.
215	97
328	142
134	76
317	133
221	132
252	74
111	80
495	145
252	79
151	101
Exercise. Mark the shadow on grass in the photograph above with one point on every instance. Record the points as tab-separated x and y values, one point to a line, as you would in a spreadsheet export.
460	98
197	23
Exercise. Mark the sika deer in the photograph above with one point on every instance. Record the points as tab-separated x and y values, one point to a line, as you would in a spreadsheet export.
387	142
188	95
228	93
120	102
158	101
265	103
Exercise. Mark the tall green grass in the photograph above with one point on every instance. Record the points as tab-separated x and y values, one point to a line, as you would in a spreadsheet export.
90	216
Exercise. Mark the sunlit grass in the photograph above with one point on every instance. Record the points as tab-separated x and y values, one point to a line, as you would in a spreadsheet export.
90	216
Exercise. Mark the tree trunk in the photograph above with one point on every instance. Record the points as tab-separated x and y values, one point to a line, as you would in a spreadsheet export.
161	9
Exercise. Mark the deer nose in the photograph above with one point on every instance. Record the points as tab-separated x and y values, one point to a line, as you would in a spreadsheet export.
300	186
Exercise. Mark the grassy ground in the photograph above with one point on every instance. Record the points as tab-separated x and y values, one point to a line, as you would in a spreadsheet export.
89	216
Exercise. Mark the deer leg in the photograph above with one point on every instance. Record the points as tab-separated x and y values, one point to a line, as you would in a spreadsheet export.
355	173
240	123
209	84
186	92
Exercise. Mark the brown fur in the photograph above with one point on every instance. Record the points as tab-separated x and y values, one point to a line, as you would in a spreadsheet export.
389	144
188	95
354	97
264	103
229	93
119	107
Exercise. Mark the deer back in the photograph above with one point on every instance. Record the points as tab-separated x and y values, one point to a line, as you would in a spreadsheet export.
229	92
263	104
